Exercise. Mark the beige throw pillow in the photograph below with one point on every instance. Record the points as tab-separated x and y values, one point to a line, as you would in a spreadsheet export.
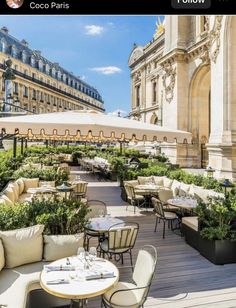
143	180
61	246
10	194
21	185
30	183
22	246
2	258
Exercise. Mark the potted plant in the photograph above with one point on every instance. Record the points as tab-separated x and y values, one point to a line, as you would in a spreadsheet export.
216	238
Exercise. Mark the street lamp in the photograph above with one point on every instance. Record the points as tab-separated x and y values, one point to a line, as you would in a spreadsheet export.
210	172
228	186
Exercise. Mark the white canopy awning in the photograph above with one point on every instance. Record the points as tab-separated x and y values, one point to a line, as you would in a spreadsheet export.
88	126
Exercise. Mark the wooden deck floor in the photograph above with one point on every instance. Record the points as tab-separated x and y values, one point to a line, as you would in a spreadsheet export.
183	278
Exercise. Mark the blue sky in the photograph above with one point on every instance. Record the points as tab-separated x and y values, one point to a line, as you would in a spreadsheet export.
96	48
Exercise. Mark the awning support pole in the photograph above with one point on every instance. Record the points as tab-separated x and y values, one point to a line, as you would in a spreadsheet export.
14	146
22	146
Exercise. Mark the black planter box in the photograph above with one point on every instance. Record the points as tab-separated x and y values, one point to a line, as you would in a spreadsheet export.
217	251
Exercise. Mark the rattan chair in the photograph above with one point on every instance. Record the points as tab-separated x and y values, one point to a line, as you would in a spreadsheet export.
97	208
134	294
163	215
133	198
121	239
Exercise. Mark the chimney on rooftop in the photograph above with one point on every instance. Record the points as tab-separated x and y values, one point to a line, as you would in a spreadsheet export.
25	43
5	30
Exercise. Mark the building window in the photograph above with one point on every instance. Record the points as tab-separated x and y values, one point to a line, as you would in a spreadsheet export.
41	96
154	92
34	94
25	91
15	88
138	96
34	109
26	72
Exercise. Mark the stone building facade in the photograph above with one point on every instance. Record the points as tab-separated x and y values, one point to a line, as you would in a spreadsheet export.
185	78
40	85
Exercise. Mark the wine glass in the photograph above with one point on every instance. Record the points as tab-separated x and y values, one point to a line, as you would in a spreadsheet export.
81	253
92	254
101	213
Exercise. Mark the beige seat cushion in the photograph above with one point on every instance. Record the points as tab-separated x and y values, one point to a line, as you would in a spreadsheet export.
25	198
7	200
61	246
167	182
15	284
2	258
191	222
22	246
129	299
21	185
30	183
10	194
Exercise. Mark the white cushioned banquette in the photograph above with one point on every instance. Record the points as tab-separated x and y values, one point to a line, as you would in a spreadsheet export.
17	191
177	187
17	282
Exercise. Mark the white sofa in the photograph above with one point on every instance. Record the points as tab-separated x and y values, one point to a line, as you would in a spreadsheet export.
17	282
178	188
16	191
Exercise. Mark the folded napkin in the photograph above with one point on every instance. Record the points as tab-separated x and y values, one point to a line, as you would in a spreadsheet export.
58	281
59	268
99	275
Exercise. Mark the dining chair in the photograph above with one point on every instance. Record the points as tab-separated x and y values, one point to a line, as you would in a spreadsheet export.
121	239
134	294
133	198
164	195
163	215
80	190
97	208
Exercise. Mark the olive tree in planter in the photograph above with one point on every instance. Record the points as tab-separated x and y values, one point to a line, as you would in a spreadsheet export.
216	239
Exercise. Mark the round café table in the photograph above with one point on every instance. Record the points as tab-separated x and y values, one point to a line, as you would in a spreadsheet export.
148	191
98	227
102	224
183	203
72	284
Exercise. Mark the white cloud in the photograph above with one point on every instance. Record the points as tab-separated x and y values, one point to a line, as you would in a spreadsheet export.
110	23
118	112
107	70
94	30
83	77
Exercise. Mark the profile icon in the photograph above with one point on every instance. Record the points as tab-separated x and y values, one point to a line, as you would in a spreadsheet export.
14	4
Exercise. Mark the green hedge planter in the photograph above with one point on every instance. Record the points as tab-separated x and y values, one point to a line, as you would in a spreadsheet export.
219	252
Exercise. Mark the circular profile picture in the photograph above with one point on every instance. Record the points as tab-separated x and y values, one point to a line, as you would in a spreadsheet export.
14	4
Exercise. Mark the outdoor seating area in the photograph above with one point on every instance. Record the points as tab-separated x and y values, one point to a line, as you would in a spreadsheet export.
107	234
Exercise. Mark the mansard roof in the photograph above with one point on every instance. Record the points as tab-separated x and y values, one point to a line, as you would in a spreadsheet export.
23	48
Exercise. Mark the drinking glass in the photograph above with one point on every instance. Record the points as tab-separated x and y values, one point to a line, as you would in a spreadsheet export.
92	254
81	253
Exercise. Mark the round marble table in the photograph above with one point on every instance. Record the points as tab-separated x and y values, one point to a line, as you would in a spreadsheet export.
73	284
184	203
102	224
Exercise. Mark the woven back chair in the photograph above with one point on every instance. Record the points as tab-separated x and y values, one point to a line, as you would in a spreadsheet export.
121	239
